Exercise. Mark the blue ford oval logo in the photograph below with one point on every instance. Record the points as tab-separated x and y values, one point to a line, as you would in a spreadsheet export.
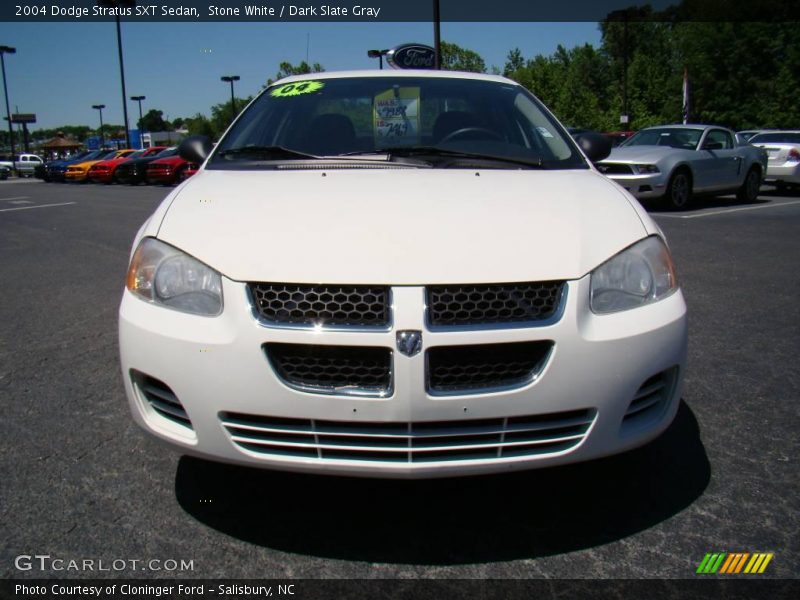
412	56
409	342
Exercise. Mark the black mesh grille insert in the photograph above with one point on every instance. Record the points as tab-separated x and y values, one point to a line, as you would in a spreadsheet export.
161	398
332	305
469	305
332	369
470	368
614	169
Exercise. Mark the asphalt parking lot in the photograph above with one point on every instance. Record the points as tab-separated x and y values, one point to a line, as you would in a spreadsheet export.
79	480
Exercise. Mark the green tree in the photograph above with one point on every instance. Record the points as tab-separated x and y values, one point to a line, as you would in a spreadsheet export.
199	125
456	58
153	120
287	69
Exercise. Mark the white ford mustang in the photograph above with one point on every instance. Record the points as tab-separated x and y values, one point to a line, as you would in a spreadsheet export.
401	274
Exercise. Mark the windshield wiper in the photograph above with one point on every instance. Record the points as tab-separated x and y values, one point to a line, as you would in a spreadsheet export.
267	152
417	151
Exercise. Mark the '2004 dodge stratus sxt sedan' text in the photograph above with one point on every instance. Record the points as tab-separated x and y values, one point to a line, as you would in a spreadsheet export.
401	274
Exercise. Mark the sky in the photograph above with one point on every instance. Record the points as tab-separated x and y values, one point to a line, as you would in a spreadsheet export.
61	69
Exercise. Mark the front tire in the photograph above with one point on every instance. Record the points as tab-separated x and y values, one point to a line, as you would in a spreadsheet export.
679	190
751	186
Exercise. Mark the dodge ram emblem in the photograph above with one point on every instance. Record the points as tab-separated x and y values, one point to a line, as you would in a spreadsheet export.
409	342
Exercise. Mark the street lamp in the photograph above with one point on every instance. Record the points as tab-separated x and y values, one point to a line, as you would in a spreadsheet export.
120	4
379	54
230	79
3	51
100	107
437	42
139	100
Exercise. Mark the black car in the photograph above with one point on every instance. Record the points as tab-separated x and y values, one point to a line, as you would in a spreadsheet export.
133	171
4	172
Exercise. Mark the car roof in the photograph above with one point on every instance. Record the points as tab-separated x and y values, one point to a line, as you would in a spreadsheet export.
394	73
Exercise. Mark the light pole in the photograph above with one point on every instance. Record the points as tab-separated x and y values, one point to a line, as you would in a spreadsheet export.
379	54
120	4
437	42
100	107
3	51
230	79
139	100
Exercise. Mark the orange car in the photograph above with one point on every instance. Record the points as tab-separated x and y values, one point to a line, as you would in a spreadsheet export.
80	171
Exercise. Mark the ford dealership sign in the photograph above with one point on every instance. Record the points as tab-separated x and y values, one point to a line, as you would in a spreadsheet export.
412	56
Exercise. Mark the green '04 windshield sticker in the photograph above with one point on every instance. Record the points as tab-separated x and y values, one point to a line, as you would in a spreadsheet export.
296	89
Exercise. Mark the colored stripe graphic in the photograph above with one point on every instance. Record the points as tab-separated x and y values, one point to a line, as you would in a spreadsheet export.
729	562
734	562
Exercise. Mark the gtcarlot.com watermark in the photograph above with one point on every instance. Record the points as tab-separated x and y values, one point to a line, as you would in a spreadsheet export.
46	562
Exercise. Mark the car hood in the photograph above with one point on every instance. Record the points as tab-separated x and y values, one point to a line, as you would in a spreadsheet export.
640	154
401	226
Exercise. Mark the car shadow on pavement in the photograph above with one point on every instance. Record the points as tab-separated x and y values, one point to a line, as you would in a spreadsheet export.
452	521
703	203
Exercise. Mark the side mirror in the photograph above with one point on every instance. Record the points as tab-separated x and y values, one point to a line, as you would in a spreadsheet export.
712	146
595	146
195	148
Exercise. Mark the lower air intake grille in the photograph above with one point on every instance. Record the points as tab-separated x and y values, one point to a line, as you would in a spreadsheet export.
496	304
651	397
470	369
333	369
323	305
161	398
426	442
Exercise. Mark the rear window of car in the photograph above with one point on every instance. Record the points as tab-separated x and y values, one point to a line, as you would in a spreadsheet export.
776	138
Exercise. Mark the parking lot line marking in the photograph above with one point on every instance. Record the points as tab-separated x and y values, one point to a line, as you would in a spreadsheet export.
727	210
40	206
15	198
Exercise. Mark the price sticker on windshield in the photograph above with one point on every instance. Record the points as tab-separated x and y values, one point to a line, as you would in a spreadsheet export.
396	117
296	89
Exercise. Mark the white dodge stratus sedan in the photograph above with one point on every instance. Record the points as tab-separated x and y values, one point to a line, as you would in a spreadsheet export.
401	274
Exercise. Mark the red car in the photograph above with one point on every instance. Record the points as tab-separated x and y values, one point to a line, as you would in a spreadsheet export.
103	171
167	171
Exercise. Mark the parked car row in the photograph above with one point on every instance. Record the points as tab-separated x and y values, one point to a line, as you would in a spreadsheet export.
156	165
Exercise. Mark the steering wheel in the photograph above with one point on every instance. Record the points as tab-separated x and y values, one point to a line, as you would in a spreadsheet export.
467	130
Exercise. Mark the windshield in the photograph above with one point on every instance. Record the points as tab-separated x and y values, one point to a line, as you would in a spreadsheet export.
351	118
786	137
685	138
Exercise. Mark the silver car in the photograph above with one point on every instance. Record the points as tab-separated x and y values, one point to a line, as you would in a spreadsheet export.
676	161
783	152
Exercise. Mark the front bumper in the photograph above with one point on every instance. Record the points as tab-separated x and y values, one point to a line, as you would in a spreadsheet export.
101	176
76	175
160	176
643	186
217	365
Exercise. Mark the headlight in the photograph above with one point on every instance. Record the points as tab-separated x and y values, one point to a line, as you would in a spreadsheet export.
164	275
646	169
638	275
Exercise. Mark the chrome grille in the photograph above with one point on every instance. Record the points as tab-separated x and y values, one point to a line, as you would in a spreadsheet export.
161	398
472	369
333	369
495	304
324	305
400	442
